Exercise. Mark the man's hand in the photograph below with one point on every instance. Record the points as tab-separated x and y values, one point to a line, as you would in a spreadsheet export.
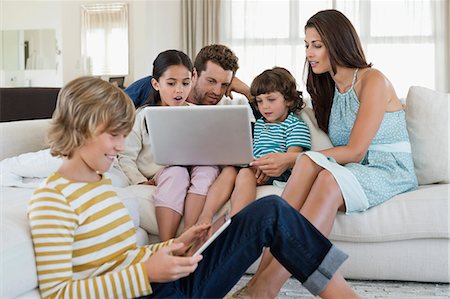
164	267
240	87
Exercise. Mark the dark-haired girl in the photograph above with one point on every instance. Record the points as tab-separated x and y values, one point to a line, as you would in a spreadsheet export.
179	190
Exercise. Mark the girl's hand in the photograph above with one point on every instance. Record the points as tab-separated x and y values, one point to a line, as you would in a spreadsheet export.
273	164
197	233
164	267
150	182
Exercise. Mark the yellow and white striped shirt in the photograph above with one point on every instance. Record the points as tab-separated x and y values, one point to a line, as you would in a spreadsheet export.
85	242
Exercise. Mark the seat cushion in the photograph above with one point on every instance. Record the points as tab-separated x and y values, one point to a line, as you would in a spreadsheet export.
413	215
16	246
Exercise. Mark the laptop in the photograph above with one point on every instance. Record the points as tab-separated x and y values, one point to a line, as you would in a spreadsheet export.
200	135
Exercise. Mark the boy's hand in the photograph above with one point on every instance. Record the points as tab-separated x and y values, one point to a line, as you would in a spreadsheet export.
261	177
164	267
273	164
197	233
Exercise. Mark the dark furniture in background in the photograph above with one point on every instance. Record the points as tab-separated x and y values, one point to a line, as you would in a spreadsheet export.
118	80
22	103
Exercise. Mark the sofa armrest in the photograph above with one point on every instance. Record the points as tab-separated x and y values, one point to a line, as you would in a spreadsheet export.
18	137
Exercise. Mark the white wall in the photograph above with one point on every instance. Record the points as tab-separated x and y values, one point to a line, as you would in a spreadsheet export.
154	26
25	15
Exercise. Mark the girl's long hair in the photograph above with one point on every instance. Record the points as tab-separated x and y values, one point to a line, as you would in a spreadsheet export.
344	49
162	62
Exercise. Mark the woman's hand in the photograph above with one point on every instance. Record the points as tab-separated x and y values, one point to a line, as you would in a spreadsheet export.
274	164
162	266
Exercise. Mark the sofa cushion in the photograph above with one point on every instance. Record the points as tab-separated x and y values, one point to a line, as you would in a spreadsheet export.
25	136
30	169
17	261
319	139
427	117
411	215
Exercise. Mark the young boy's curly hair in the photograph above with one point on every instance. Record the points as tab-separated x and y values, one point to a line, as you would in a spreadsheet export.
281	80
87	106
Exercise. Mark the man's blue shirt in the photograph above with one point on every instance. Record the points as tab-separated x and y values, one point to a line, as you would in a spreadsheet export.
139	90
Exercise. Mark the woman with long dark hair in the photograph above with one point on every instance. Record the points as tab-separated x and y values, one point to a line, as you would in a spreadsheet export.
356	105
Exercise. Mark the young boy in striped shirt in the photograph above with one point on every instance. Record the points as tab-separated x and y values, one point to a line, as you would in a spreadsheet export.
85	242
277	131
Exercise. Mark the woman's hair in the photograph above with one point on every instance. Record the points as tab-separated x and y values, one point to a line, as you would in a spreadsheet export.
88	106
220	55
278	79
344	49
163	61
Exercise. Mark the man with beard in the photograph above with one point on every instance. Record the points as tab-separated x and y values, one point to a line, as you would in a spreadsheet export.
213	81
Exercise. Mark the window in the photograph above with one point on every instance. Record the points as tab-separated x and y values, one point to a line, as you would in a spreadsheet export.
104	37
398	37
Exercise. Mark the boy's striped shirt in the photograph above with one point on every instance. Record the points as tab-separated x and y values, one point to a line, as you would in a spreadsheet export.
85	242
278	137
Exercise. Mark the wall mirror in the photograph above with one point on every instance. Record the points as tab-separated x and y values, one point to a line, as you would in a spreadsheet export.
28	49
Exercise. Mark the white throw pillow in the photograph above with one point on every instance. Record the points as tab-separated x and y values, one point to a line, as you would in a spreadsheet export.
319	139
427	117
28	170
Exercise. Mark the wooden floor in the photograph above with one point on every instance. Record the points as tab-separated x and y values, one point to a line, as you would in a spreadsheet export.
370	289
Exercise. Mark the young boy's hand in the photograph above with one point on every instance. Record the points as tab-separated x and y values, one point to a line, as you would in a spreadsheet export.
261	177
164	267
273	164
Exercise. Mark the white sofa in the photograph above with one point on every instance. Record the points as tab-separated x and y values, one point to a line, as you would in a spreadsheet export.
406	238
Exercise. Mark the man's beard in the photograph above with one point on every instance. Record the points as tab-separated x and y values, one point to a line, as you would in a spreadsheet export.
198	97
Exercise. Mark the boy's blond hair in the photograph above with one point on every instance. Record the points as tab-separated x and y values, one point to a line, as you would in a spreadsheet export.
88	106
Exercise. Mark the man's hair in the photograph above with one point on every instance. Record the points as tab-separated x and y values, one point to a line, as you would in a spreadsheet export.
281	80
88	106
218	54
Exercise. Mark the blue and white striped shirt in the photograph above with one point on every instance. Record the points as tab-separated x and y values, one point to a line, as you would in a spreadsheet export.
278	137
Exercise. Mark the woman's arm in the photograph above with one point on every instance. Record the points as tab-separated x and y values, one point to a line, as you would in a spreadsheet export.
373	94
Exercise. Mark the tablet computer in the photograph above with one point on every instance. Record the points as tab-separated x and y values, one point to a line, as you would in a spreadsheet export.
200	135
213	237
